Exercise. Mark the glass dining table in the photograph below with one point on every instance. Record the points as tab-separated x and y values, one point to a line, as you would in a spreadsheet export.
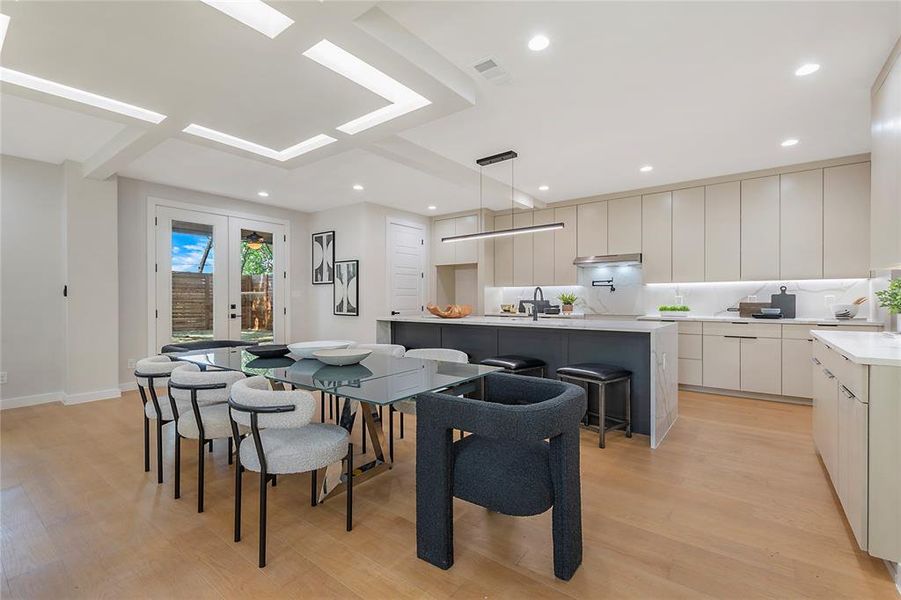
378	380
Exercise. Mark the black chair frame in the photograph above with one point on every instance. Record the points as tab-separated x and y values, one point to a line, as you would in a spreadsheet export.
159	422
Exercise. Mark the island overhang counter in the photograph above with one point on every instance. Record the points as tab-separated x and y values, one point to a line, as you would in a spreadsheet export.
648	349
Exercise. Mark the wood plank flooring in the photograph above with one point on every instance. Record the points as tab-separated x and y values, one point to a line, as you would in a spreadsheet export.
735	504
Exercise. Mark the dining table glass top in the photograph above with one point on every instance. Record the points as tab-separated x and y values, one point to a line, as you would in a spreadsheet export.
377	379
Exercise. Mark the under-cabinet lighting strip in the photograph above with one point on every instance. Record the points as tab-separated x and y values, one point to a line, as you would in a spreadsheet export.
502	233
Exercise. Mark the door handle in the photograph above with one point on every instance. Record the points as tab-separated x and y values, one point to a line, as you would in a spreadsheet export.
234	316
395	312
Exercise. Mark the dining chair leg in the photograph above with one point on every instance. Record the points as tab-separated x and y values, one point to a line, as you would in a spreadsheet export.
331	408
263	518
211	446
200	469
274	480
238	485
322	407
177	465
401	425
159	451
230	451
313	478
602	417
391	433
350	487
363	428
146	444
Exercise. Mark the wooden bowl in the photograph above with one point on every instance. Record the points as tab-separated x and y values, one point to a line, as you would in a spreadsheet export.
453	311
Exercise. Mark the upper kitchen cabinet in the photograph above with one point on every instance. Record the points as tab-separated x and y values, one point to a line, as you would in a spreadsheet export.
503	252
456	253
543	249
800	226
592	229
565	246
443	254
688	234
467	252
722	232
522	250
657	236
760	228
623	225
846	221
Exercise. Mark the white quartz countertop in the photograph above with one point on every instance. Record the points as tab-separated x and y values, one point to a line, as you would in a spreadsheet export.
736	318
864	347
585	324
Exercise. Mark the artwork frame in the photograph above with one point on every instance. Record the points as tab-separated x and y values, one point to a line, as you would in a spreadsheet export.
346	289
322	257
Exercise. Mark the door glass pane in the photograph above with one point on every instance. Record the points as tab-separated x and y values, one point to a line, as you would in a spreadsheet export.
192	281
256	286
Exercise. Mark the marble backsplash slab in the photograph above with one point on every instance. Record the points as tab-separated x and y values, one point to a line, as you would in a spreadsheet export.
633	297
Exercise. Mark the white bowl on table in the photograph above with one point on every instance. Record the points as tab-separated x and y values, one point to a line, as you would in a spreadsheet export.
306	349
341	357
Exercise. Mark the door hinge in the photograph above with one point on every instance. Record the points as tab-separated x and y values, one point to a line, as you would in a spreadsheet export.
156	267
284	238
285	311
422	242
422	275
156	221
156	314
421	308
284	274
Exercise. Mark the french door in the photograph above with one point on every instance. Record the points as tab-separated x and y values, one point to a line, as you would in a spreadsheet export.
218	277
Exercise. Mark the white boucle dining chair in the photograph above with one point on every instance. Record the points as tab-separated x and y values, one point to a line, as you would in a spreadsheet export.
206	416
283	440
149	372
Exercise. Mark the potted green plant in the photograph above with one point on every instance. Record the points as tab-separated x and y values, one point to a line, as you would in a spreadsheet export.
891	299
673	310
567	299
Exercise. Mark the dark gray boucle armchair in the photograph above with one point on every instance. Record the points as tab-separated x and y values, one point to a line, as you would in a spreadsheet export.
521	457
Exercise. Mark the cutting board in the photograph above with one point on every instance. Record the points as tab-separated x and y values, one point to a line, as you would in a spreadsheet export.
746	309
784	301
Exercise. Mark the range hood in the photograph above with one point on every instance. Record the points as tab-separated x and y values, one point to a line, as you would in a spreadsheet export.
607	260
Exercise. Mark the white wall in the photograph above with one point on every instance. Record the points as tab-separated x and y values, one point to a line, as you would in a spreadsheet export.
133	293
360	233
885	194
32	309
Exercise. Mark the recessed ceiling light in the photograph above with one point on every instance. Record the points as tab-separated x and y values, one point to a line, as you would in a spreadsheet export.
539	43
789	142
433	207
317	141
263	194
543	188
807	69
646	169
255	14
358	187
403	99
76	95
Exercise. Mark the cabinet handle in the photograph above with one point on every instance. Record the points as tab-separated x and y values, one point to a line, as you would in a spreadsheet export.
740	337
739	323
826	325
845	391
815	361
828	373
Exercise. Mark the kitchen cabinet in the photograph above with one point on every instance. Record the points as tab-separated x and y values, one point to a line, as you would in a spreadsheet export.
503	252
456	253
522	251
624	225
825	415
690	355
565	246
543	249
760	228
443	254
722	231
466	252
657	236
761	365
846	221
592	229
852	461
722	362
688	234
801	225
797	375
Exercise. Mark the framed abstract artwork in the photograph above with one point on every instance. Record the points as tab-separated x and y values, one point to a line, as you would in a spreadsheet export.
323	253
346	294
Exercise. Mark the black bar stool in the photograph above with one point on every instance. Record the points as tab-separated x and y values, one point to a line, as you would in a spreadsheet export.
603	375
517	364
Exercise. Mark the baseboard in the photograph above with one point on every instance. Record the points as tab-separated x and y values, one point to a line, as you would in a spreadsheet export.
69	399
6	403
741	394
129	386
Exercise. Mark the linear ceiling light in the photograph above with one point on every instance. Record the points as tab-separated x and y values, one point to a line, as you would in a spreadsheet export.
402	98
76	95
317	141
255	14
4	24
502	232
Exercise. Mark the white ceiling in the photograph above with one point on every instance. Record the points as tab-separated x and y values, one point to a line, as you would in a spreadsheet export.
695	89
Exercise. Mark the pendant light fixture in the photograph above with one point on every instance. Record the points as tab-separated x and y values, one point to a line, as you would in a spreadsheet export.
254	241
484	162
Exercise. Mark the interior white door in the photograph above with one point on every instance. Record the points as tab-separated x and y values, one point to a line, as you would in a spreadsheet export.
191	264
406	257
258	276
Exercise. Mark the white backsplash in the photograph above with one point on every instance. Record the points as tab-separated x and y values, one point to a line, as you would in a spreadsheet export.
633	297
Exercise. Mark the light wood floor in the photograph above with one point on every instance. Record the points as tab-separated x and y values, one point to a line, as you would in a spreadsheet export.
734	505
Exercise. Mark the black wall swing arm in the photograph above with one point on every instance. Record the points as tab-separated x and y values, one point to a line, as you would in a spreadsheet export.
604	283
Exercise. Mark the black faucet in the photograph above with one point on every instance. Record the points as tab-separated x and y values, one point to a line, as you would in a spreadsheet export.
535	305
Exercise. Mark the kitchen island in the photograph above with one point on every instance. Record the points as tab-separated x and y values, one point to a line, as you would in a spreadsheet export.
647	349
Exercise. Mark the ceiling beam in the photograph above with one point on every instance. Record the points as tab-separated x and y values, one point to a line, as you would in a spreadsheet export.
126	147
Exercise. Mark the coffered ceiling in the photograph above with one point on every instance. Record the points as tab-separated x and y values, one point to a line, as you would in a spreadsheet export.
695	89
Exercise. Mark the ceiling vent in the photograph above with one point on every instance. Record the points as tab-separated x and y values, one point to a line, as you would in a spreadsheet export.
491	71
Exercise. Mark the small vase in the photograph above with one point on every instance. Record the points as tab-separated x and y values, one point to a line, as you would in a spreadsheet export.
567	309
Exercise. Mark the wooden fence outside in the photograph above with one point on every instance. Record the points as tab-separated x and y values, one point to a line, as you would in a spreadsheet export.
192	302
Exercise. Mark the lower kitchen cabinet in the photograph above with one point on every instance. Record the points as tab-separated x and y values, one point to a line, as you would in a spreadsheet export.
761	365
797	379
722	362
690	372
825	415
853	438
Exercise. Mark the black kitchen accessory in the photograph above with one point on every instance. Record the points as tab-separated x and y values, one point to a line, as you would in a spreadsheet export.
784	301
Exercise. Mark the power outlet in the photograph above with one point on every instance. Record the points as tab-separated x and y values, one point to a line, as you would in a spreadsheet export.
132	363
2	377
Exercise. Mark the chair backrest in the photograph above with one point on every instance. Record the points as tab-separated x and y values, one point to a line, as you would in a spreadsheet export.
190	374
445	354
255	392
204	345
156	365
395	350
